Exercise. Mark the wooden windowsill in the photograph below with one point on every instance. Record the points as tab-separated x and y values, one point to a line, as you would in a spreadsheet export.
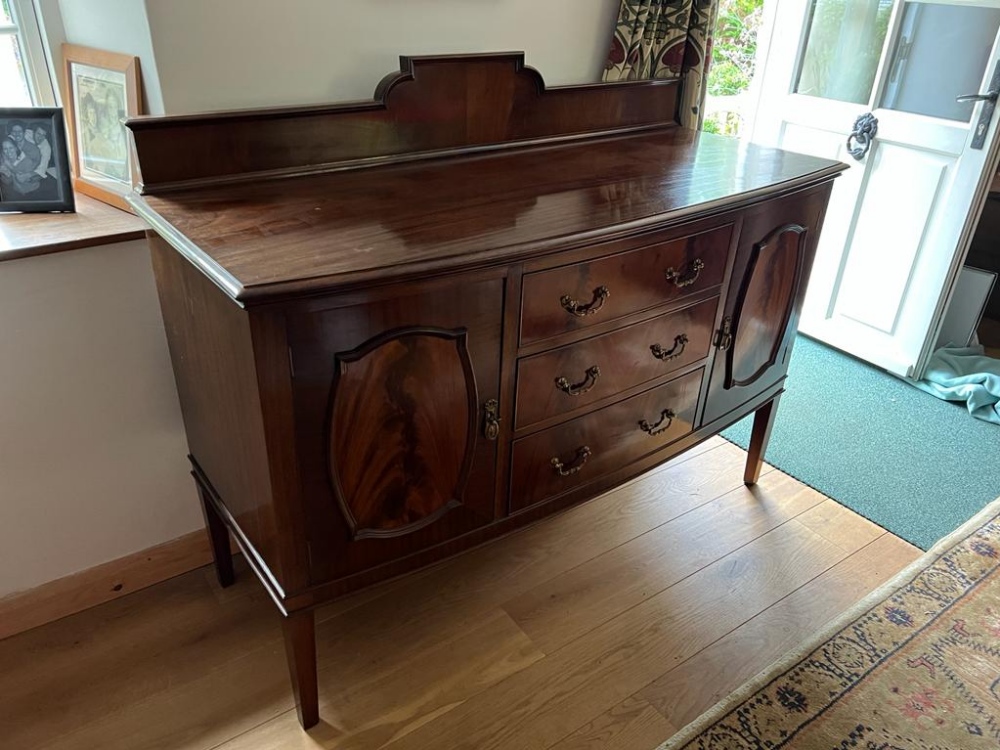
94	223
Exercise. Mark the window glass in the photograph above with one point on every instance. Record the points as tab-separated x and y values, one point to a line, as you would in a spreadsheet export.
13	81
843	49
917	81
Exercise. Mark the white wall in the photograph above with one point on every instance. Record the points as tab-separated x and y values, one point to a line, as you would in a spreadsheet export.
92	450
221	54
112	25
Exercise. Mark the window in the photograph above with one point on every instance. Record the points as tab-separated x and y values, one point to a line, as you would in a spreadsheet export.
24	76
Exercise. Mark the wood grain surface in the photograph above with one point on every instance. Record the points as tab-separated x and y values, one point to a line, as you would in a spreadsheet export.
589	447
93	224
272	238
625	358
346	415
634	281
74	593
434	105
438	659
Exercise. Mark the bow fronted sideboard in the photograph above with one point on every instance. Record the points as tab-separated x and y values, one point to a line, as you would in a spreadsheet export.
403	327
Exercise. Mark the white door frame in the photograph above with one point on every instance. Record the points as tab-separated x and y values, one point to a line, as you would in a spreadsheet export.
768	125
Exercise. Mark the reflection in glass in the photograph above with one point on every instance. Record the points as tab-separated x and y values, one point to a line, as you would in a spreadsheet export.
843	49
924	78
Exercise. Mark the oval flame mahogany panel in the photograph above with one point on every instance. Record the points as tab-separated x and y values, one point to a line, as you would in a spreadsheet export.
765	303
402	430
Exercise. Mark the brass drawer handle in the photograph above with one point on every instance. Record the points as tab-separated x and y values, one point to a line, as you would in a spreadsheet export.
578	462
665	355
666	419
577	389
573	307
687	277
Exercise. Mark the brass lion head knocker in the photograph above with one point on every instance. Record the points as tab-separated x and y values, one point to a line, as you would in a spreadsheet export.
863	133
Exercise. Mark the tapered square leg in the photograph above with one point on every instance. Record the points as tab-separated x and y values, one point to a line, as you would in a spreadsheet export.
300	647
218	535
763	421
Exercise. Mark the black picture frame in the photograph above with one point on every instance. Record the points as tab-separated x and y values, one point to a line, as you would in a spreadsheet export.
35	179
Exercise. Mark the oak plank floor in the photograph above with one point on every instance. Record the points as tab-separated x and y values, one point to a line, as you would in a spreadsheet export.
607	626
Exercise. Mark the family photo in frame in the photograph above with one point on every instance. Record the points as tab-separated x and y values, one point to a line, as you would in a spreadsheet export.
34	161
47	153
102	89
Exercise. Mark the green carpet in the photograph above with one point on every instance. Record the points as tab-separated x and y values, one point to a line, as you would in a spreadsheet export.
914	465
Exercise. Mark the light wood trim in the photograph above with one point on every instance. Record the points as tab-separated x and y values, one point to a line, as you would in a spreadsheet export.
93	224
102	583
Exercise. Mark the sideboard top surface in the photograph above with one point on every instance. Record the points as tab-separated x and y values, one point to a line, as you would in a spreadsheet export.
267	239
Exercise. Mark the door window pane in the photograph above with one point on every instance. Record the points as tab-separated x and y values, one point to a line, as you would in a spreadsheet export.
942	53
843	49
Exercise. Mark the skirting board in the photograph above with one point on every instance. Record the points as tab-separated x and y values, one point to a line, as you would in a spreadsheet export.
88	588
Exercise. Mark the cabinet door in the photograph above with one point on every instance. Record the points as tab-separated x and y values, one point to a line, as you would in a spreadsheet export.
760	317
391	399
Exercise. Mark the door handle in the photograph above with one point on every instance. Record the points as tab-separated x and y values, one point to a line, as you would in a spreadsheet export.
989	96
989	100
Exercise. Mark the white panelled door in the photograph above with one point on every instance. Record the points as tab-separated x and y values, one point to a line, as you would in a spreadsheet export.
900	220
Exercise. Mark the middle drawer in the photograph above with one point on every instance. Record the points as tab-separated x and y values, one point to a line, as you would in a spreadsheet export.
564	379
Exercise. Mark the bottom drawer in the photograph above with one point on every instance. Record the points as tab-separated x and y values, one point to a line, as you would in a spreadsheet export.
581	450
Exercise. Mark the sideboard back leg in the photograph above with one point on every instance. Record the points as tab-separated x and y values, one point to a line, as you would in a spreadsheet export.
218	535
763	421
300	647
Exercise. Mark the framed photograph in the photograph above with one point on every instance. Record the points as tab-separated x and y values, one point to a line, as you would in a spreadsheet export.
34	163
102	89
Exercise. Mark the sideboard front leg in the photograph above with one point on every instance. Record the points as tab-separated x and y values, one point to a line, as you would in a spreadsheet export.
218	536
300	647
763	421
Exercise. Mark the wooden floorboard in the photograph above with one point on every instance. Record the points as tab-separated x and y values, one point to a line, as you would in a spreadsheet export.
582	599
684	692
607	626
631	724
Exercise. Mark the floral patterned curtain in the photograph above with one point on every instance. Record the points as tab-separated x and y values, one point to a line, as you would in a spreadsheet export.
666	39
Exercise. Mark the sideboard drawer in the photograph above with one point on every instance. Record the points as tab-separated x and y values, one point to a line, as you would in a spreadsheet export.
572	297
567	378
567	455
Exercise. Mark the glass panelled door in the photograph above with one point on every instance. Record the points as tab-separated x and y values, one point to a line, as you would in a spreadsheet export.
902	92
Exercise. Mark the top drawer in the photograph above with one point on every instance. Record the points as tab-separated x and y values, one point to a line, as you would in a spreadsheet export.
584	294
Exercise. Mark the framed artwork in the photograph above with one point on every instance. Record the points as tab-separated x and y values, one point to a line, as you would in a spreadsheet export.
34	160
102	89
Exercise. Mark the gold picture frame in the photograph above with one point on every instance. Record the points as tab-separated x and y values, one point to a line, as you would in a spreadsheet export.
101	90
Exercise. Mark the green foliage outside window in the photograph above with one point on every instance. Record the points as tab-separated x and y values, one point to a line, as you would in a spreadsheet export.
733	54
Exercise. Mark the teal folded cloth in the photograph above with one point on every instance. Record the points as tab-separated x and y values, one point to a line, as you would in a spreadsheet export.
965	374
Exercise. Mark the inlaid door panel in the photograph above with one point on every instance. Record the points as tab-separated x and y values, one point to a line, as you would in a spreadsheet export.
764	298
765	303
391	400
402	430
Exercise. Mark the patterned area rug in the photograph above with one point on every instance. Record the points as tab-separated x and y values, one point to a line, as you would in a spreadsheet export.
916	665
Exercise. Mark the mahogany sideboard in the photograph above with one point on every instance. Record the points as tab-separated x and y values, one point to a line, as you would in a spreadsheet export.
402	327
